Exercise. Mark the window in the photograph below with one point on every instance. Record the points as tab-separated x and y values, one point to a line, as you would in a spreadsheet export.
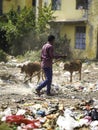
33	3
56	4
80	37
81	4
45	3
1	7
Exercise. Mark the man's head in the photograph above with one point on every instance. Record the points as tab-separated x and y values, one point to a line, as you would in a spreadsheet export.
51	39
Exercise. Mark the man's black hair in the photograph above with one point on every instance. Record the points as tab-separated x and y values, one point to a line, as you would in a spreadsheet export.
51	38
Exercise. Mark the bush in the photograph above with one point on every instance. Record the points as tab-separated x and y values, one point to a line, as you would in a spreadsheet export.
62	46
20	25
29	56
3	56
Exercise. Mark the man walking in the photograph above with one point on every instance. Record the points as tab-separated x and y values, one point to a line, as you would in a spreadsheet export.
47	56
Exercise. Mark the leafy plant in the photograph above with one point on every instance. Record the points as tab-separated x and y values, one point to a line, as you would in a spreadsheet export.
20	25
30	55
3	56
4	126
63	45
45	15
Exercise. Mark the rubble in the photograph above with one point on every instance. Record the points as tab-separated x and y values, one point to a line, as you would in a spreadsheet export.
74	106
51	116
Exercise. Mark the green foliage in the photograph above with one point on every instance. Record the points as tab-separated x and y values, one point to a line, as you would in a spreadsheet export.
4	126
45	15
12	15
11	31
3	56
26	21
30	55
19	24
63	46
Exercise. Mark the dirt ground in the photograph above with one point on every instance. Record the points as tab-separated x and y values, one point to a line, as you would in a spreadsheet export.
14	92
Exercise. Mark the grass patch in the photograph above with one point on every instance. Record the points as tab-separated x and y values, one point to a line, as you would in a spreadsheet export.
4	126
30	55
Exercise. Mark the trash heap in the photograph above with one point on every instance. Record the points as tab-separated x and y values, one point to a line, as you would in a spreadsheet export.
51	115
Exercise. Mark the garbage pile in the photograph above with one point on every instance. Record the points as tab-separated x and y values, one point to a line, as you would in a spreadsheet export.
42	113
51	115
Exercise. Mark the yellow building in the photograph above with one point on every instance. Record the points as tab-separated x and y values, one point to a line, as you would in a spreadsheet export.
6	5
79	21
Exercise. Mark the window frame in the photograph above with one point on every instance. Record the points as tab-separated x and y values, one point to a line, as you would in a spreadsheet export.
82	4
56	6
80	37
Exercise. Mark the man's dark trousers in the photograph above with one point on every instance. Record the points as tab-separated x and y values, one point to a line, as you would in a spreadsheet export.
48	80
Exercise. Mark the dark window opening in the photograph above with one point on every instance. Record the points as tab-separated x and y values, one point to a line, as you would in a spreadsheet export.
1	11
81	4
56	4
80	37
33	3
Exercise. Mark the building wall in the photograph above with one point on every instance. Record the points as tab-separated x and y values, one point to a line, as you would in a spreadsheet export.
9	4
69	12
90	50
28	3
69	29
93	27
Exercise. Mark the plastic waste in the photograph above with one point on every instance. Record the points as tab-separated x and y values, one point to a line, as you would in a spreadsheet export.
6	113
32	126
85	121
21	112
19	128
67	121
18	119
94	114
41	113
94	125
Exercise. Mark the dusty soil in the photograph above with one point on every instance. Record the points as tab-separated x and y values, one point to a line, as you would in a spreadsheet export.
14	92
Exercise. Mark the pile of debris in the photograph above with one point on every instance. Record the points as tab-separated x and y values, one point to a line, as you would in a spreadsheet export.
50	115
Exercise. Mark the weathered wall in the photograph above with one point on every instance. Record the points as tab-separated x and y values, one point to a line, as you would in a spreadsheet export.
28	3
93	28
8	4
69	12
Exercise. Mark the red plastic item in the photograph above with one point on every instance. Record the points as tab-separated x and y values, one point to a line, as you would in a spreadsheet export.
30	127
14	119
18	119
